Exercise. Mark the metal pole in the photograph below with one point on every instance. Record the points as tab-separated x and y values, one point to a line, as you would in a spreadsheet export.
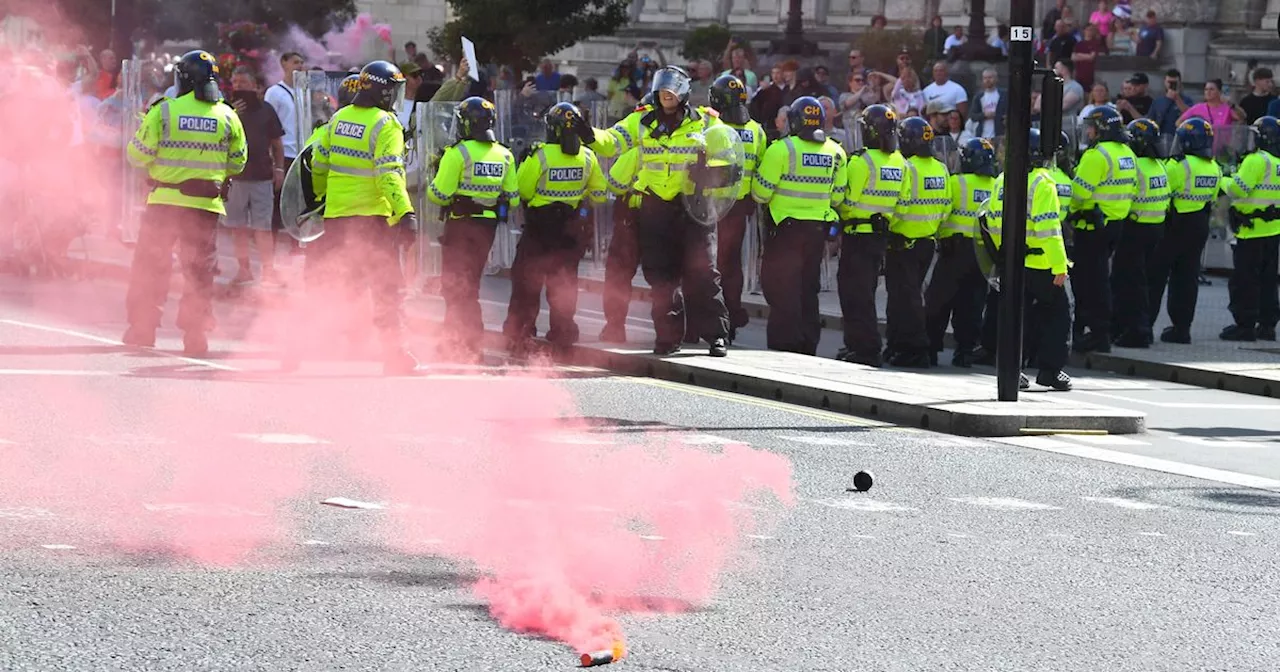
1014	226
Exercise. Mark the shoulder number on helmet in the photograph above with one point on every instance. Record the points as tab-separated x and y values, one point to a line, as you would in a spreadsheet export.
349	130
486	169
980	195
1126	163
1206	181
817	160
565	174
888	174
935	183
197	124
1155	182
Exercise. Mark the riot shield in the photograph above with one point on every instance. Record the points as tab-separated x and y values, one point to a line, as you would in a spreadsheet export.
301	213
1168	146
985	247
134	98
315	98
716	189
433	131
946	150
852	123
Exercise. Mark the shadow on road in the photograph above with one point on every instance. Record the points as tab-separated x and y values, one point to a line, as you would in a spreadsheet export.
1219	500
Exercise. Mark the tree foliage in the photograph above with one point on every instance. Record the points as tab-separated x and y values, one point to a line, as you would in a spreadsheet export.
199	19
880	48
520	32
706	43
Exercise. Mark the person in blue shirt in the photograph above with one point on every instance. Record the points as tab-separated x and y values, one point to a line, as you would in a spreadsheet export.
1168	107
547	79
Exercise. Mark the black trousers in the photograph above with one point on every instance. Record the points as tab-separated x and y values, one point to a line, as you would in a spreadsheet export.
675	256
861	257
791	277
465	248
1048	315
904	271
355	256
1252	286
548	254
1091	278
956	294
195	232
731	232
1131	286
620	265
1177	265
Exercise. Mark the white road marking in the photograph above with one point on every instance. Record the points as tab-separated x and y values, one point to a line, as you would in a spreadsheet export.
1105	440
823	440
1144	462
283	439
344	503
758	536
1152	534
1242	534
1123	503
55	372
58	547
202	510
706	440
860	504
25	513
1005	503
1223	442
1199	405
958	536
108	341
861	536
651	537
315	542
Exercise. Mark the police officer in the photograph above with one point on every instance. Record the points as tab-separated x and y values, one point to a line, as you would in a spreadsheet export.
1194	180
801	179
476	184
358	167
923	204
729	99
623	257
674	249
1255	220
554	182
190	146
1102	194
1048	311
958	287
875	182
1139	240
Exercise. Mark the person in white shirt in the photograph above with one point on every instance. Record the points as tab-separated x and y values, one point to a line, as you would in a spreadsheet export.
945	91
280	97
954	40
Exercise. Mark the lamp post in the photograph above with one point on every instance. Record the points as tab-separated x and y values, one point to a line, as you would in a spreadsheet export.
976	48
793	42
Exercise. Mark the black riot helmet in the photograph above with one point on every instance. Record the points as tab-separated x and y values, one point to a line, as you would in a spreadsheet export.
879	128
475	117
563	121
729	98
674	79
1066	157
1144	138
915	137
1035	151
347	90
1196	137
978	156
1266	131
197	71
381	86
1108	123
806	118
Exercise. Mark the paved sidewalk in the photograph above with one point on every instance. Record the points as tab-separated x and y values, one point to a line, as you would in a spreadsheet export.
958	402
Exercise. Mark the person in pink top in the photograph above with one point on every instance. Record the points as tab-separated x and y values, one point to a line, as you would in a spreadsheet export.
1101	17
1215	109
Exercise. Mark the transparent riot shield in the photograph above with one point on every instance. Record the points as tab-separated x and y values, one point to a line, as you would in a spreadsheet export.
852	123
315	99
1169	147
519	124
947	151
986	251
134	97
301	213
433	131
722	179
597	114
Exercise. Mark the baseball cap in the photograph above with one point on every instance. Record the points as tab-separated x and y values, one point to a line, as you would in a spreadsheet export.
938	107
410	69
1139	78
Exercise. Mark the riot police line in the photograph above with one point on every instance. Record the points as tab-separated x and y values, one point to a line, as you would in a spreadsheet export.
691	174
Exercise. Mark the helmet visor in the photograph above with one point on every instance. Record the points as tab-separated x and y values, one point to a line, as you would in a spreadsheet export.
397	102
671	80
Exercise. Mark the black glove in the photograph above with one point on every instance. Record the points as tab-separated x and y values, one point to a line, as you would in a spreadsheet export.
406	230
587	134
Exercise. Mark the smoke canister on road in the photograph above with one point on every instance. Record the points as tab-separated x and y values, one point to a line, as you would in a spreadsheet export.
605	656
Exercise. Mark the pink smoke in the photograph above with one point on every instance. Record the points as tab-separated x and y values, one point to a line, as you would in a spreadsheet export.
351	45
563	535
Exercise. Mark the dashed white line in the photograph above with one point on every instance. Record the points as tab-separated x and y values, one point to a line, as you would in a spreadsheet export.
956	535
107	341
651	537
1123	503
759	536
344	503
315	542
1239	533
860	504
58	547
25	513
283	439
1005	503
861	536
1152	534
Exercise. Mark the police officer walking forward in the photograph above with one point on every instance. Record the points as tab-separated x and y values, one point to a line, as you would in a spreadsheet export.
801	180
190	146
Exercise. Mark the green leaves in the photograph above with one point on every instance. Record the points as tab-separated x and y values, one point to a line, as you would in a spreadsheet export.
521	32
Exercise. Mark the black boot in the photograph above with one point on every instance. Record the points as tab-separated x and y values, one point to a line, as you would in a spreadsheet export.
1176	335
719	347
1236	332
1054	380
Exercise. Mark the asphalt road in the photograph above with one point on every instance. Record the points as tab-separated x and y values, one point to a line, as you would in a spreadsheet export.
163	514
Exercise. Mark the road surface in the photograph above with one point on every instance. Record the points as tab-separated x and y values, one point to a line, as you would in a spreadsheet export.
161	513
